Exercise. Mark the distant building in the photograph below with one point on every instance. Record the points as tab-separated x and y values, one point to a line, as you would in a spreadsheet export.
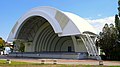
51	33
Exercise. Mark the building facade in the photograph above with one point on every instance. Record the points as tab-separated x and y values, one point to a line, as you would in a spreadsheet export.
51	33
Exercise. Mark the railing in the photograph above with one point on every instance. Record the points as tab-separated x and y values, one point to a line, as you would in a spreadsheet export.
90	46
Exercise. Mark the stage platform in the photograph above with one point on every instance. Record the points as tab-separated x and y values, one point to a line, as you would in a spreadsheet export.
51	55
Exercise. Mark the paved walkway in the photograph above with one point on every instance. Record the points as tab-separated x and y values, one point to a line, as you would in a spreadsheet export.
62	61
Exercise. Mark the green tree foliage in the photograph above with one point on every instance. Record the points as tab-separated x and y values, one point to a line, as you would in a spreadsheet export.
108	42
19	45
109	38
117	25
117	20
2	43
119	8
22	47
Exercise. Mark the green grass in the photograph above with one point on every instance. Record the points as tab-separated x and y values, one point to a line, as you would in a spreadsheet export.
13	64
25	64
114	66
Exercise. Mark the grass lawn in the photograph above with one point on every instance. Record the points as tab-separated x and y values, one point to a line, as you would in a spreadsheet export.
25	64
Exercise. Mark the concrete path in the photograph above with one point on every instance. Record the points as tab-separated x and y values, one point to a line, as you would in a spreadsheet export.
62	61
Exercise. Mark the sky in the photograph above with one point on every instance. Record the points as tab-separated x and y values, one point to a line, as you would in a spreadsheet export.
96	12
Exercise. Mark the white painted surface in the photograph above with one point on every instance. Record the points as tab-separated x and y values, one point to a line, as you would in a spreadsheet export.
75	26
7	50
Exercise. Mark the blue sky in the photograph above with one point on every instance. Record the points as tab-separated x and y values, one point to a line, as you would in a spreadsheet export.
12	10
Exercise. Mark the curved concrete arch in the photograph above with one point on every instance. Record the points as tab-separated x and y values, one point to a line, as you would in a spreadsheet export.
51	30
77	23
37	37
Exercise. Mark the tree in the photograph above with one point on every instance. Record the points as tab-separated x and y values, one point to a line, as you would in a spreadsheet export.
109	38
19	45
2	43
119	8
117	25
117	20
107	41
